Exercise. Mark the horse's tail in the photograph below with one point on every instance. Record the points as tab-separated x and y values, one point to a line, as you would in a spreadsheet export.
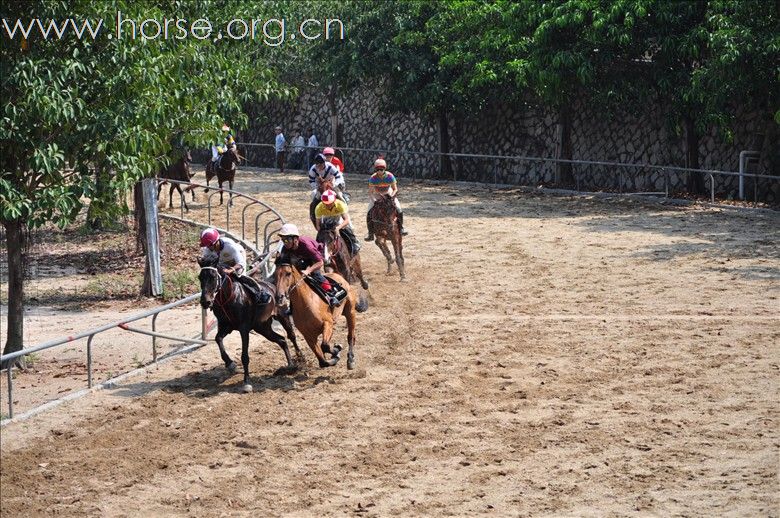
362	304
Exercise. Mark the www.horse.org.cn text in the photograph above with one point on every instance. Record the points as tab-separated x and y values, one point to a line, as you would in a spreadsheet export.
272	31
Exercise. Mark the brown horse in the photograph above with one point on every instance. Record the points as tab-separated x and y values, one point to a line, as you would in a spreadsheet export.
338	255
180	171
384	220
314	317
225	170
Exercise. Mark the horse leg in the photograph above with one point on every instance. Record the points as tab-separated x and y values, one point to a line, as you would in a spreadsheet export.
265	329
327	334
290	331
349	314
357	268
182	196
313	206
245	360
382	244
159	188
220	190
230	200
398	248
222	332
314	345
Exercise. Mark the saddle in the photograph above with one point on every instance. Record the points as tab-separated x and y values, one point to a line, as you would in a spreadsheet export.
334	297
259	295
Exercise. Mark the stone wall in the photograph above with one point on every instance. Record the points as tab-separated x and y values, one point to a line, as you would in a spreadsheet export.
643	138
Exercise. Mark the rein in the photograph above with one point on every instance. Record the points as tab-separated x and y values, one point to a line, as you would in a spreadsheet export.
218	293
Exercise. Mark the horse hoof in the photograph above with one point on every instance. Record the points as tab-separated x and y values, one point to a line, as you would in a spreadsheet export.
329	363
232	367
247	388
364	284
336	351
351	364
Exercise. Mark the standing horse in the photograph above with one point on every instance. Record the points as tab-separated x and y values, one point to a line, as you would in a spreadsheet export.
224	169
314	317
180	171
235	311
338	254
384	220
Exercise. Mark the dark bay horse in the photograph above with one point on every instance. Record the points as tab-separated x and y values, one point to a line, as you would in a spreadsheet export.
314	317
235	311
384	220
225	171
180	171
338	255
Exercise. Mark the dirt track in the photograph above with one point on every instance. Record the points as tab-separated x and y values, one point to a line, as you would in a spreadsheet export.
547	356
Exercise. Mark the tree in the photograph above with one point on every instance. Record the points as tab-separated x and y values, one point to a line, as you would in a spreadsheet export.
76	109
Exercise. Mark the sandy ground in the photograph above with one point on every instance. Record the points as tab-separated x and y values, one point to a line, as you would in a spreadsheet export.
547	355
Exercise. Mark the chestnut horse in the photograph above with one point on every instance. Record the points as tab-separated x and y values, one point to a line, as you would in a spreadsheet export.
314	317
236	311
225	170
384	220
178	170
338	255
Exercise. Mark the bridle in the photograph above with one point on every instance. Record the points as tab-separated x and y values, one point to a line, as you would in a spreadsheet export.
218	290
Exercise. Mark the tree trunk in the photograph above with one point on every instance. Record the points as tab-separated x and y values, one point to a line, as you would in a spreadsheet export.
695	180
445	163
334	117
563	170
15	242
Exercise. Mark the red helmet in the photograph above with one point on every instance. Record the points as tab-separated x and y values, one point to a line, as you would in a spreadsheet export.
328	151
209	236
328	197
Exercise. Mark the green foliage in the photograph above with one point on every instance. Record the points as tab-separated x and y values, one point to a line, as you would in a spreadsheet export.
79	109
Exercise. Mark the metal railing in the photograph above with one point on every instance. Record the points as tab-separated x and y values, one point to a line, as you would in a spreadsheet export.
263	261
90	335
531	170
263	211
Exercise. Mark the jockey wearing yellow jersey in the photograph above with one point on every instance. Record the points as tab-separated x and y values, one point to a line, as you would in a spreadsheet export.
333	210
229	142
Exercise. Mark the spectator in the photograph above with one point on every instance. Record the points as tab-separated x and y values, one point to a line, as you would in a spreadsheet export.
298	148
279	147
312	146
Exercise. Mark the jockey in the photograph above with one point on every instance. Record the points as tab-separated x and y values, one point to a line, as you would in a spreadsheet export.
324	170
333	210
229	142
232	258
330	156
304	253
382	183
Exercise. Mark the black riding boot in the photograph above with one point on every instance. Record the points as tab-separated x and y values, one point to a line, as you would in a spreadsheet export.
370	236
400	216
349	236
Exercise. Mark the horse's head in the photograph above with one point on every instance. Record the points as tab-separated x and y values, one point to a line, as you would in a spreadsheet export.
229	158
284	280
325	184
210	282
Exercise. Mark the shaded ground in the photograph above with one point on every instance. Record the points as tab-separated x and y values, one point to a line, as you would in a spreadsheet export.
547	356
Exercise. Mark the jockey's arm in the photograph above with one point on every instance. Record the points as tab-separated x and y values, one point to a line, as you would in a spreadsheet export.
392	190
345	221
313	268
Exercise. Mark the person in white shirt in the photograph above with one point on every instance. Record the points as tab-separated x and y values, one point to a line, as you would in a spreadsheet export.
312	146
231	257
279	146
298	147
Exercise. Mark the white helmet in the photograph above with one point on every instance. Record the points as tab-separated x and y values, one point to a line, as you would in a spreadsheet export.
379	162
288	229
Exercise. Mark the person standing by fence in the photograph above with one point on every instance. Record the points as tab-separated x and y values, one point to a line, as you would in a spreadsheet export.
312	147
279	146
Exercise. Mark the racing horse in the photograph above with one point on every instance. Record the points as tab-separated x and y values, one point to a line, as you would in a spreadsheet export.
338	255
314	317
236	311
180	171
224	168
384	220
